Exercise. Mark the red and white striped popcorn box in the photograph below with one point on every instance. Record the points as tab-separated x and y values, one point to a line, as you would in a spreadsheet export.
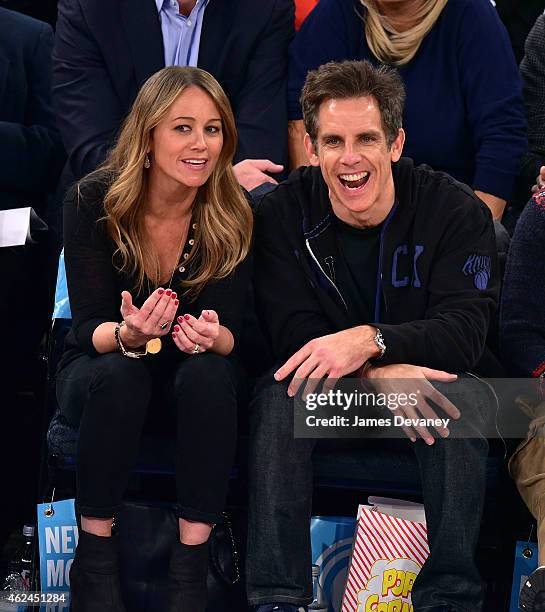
387	556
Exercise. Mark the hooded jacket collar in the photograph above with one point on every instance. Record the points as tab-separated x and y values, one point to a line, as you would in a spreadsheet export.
312	196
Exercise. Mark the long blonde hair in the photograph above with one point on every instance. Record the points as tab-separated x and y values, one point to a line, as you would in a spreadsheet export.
220	210
398	48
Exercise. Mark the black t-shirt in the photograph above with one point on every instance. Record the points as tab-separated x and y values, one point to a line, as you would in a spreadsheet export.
357	270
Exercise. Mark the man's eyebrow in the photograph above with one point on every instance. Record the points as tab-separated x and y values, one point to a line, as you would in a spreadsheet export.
331	135
374	133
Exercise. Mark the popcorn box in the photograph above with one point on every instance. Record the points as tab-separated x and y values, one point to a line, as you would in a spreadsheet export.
387	556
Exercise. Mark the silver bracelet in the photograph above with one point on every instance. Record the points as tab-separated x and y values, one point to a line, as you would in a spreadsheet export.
121	346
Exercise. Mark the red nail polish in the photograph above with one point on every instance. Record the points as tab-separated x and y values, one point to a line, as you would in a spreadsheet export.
174	335
161	291
176	302
186	317
173	296
176	328
180	318
169	291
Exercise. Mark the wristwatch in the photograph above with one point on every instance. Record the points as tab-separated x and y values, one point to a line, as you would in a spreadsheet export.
381	345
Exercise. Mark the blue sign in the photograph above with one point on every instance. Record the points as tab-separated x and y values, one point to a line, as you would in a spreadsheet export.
58	538
525	564
331	539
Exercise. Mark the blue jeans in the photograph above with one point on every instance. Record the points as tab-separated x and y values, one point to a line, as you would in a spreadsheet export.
453	474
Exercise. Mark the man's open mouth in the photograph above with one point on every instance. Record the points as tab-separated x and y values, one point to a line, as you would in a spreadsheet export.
354	181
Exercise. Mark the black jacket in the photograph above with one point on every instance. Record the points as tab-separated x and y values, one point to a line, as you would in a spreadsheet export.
438	279
31	155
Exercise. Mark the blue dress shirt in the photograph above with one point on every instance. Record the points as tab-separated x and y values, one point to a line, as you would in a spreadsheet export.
181	34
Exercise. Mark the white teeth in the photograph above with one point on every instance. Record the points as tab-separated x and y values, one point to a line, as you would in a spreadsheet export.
195	162
354	177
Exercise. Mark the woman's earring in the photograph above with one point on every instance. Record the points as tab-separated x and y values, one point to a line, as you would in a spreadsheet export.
147	162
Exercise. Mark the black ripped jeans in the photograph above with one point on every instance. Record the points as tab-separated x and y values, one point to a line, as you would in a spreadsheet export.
111	396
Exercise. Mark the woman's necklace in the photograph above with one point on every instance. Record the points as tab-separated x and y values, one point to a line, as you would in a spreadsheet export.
154	345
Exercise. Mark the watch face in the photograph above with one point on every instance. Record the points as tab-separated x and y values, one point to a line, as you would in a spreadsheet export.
379	341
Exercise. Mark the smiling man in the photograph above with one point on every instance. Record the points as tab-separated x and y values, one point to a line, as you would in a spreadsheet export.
363	259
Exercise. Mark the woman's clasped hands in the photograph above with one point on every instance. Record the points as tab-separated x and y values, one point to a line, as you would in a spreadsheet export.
156	317
152	320
193	335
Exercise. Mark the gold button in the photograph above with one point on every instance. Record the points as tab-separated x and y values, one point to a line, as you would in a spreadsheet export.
181	269
191	242
194	226
186	255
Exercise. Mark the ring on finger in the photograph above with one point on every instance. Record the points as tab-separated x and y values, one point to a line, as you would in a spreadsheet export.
164	325
197	348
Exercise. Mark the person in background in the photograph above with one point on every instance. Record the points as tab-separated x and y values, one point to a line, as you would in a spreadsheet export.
523	294
464	111
105	50
157	260
31	158
532	69
523	349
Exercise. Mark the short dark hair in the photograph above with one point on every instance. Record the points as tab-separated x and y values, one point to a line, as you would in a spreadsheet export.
354	79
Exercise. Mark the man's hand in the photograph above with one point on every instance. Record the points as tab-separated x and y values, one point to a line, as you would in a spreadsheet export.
250	173
334	356
387	379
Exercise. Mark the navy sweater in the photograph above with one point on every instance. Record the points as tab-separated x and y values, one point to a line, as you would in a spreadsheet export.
523	300
464	112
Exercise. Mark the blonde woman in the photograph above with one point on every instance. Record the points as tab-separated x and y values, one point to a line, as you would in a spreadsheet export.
156	248
464	111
